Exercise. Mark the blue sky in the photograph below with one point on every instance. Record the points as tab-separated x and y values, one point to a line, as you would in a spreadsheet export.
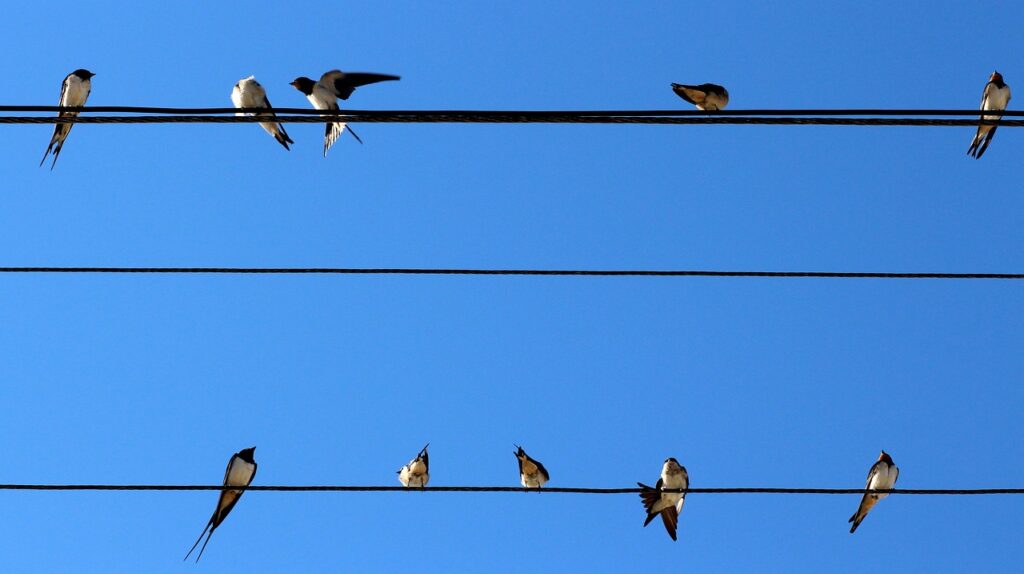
340	380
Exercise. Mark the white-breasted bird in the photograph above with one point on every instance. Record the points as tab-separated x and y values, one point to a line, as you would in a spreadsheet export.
248	93
417	472
532	473
882	476
73	93
240	472
668	504
995	97
704	96
333	85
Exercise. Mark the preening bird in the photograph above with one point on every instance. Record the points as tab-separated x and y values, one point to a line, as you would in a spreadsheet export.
248	93
532	473
417	472
704	96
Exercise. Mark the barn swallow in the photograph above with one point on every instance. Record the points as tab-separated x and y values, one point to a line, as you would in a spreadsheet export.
668	504
882	476
248	93
532	473
240	472
417	472
995	97
704	96
325	93
73	93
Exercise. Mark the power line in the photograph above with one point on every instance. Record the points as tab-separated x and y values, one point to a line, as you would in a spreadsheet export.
685	117
502	272
563	490
671	112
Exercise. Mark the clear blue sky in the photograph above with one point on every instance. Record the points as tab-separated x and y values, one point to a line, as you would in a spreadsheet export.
340	380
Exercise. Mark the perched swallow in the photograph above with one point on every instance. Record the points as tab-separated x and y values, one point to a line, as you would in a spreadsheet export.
240	472
417	472
325	93
73	93
704	96
995	97
248	93
668	504
882	476
532	473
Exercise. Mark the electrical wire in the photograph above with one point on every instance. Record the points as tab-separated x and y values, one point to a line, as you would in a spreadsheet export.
520	272
562	490
303	115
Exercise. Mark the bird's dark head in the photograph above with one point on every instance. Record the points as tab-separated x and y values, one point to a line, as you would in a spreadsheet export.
996	77
885	457
246	454
520	453
304	85
83	73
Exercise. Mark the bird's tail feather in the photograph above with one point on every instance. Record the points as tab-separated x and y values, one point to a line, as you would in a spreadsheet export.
198	539
856	519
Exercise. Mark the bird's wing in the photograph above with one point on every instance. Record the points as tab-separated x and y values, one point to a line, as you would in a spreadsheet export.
542	470
692	94
64	94
344	84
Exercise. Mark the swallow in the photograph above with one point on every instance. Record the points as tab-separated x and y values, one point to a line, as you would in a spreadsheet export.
882	476
995	97
705	96
73	93
240	472
248	93
668	504
325	93
417	472
532	473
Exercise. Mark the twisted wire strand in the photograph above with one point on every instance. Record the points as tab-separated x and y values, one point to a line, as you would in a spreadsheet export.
557	490
513	272
671	117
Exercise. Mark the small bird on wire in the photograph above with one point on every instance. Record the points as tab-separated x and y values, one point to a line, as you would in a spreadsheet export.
248	93
995	97
417	472
73	93
240	472
532	473
882	476
336	84
705	96
667	504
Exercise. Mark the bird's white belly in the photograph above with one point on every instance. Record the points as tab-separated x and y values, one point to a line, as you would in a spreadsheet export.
241	473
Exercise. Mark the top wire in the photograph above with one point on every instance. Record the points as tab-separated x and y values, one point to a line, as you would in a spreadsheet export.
864	117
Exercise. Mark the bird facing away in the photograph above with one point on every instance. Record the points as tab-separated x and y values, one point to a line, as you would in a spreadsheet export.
240	472
417	472
882	476
996	96
668	504
73	93
704	96
532	473
248	93
325	93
